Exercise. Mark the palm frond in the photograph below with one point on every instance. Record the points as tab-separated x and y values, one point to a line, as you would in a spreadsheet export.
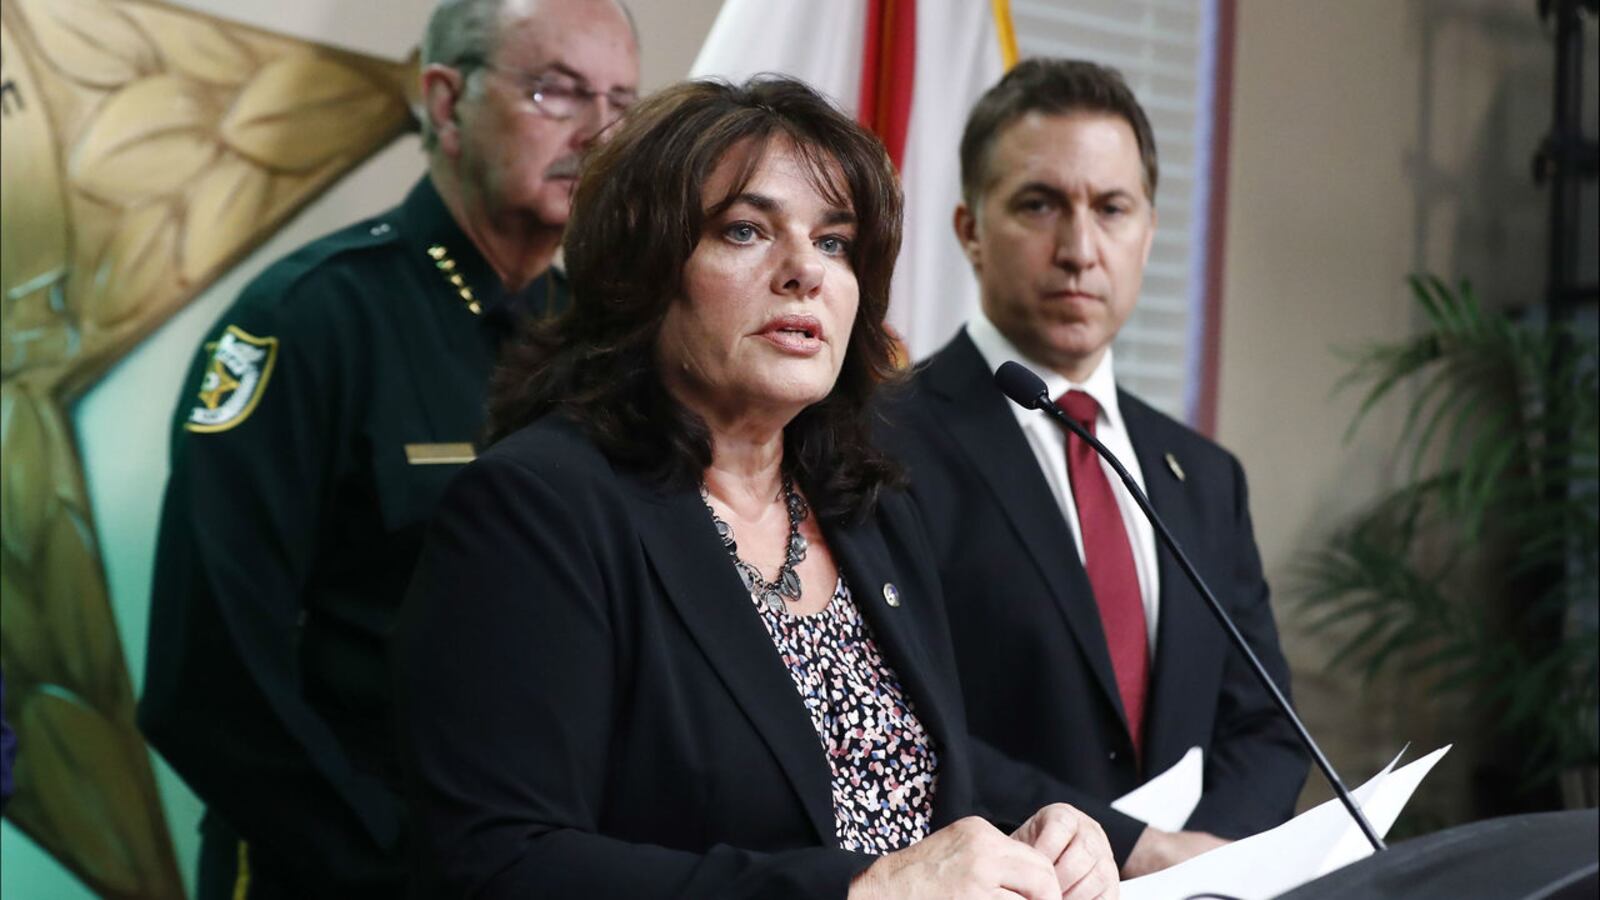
1500	437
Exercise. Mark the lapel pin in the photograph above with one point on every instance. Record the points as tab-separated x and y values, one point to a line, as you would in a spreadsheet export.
1172	463
891	594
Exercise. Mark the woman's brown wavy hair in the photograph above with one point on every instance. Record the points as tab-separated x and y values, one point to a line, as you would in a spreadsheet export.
637	214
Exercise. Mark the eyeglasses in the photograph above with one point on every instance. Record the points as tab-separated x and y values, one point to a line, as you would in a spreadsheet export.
559	96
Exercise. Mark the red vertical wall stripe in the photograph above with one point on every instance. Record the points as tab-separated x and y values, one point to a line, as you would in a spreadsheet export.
1205	412
888	69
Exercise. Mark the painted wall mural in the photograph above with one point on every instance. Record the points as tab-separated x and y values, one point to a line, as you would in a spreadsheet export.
145	148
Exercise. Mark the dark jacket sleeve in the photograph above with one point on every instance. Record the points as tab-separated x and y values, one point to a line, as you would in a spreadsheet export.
1010	789
1254	767
508	662
222	700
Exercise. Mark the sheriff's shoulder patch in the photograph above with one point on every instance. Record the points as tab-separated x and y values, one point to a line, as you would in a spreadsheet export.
234	379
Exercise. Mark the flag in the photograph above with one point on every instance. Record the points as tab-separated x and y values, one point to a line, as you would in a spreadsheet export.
910	70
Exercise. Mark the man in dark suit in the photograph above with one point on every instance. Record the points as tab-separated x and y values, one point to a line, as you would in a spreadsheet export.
1082	647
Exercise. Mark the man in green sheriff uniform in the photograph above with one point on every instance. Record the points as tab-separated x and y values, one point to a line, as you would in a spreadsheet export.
325	414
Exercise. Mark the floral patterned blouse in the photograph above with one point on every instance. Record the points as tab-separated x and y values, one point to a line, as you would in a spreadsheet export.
883	763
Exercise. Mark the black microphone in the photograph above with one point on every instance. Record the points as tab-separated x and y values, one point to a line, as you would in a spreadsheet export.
1027	390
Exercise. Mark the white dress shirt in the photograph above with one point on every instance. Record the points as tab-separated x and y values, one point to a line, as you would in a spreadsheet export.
1049	443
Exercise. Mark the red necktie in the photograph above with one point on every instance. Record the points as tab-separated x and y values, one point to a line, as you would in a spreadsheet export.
1108	558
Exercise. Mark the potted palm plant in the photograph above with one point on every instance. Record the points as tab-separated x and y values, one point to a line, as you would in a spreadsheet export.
1478	574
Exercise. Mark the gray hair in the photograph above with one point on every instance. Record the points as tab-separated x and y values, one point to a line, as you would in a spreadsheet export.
458	31
464	31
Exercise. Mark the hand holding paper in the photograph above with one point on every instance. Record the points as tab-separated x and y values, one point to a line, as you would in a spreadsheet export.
1310	845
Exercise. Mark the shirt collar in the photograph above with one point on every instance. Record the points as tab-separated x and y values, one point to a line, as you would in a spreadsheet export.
427	222
996	348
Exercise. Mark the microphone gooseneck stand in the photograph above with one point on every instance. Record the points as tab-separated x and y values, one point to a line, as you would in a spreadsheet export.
1027	390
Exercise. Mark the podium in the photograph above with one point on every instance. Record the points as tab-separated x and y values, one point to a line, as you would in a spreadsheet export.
1542	856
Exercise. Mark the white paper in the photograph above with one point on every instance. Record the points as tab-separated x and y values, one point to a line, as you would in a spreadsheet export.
1167	800
1309	845
1381	810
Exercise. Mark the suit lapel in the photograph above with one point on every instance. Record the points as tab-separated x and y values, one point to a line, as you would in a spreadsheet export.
868	567
701	584
1180	662
986	430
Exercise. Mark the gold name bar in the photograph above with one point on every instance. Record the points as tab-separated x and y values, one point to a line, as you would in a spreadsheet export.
439	454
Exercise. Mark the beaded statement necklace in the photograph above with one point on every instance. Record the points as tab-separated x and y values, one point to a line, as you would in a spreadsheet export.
786	586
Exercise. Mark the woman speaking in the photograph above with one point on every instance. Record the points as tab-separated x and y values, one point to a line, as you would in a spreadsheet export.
676	633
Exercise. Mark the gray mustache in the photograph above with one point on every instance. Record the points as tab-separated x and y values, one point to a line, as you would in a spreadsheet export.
565	167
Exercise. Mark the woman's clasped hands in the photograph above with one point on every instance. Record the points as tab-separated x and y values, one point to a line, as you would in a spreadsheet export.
1058	853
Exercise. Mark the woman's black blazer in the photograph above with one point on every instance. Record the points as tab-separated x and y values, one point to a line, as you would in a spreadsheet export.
590	706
